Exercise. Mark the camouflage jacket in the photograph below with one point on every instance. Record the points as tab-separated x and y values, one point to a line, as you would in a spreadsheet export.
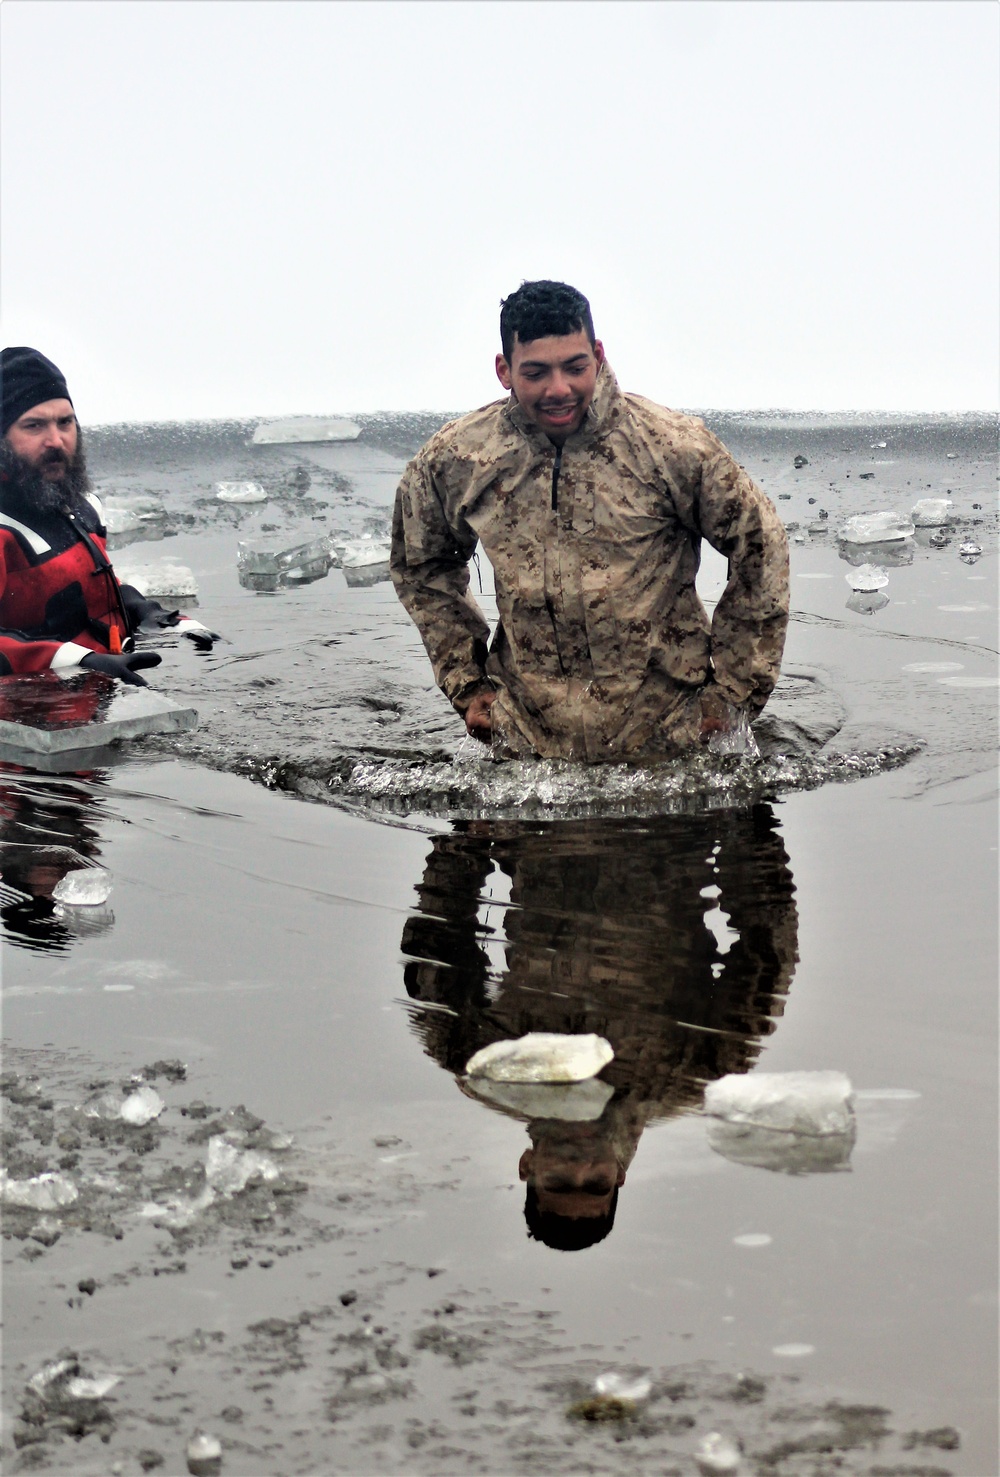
603	645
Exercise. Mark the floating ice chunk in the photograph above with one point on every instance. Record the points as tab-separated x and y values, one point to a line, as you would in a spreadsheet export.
84	887
356	553
792	1102
753	1239
240	492
142	1106
229	1169
297	429
793	1351
933	667
867	577
878	446
163	579
129	514
939	539
52	1374
931	512
875	528
82	1388
615	1386
969	551
867	602
542	1056
203	1454
46	1191
569	1102
778	1150
717	1456
361	575
268	569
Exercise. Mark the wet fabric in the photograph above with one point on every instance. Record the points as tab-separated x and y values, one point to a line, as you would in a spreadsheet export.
609	929
603	646
51	593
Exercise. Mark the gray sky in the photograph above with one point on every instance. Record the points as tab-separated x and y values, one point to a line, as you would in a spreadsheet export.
217	209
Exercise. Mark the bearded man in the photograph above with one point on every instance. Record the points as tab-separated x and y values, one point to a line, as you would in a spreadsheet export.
61	606
591	506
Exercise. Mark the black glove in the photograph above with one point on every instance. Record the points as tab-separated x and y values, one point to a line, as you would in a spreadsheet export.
202	637
146	615
126	666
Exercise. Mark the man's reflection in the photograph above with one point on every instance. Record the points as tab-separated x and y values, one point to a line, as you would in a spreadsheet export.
47	828
674	938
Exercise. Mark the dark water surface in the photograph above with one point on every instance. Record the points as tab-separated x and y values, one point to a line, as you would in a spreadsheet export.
379	1307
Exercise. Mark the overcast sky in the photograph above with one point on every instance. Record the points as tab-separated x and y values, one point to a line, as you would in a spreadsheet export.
215	209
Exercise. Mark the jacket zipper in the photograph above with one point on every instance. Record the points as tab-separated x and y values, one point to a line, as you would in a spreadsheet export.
556	468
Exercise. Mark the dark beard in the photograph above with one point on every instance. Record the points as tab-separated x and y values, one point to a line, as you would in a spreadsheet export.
23	484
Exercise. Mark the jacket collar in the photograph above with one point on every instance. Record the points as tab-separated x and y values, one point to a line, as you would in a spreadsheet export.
603	413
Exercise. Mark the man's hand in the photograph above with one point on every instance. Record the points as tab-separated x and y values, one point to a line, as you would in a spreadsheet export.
477	717
196	632
717	714
125	667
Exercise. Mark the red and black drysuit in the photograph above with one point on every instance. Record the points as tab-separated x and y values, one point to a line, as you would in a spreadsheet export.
59	597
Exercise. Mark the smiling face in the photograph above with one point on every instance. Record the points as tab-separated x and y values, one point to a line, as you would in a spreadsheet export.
45	438
553	380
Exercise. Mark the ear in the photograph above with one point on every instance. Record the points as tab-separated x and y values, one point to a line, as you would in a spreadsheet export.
525	1164
598	352
503	372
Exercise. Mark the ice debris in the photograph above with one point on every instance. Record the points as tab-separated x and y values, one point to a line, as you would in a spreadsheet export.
867	602
82	1388
717	1456
142	1106
568	1102
240	492
875	528
815	1103
615	1386
270	569
297	429
542	1056
83	887
131	514
139	1108
204	1454
163	579
48	1191
356	553
969	551
931	512
228	1169
867	577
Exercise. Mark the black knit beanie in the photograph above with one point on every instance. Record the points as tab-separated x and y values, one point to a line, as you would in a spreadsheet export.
27	379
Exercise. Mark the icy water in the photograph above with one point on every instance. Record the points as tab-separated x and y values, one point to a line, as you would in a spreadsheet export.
310	978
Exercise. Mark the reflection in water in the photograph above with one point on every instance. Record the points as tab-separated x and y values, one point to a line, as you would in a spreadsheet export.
675	938
47	828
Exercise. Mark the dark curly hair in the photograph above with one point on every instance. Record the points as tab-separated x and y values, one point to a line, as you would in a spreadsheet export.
543	310
563	1232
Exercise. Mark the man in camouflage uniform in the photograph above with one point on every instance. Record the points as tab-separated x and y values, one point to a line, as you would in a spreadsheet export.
591	505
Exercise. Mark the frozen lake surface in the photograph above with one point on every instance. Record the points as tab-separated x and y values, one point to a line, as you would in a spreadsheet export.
301	984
